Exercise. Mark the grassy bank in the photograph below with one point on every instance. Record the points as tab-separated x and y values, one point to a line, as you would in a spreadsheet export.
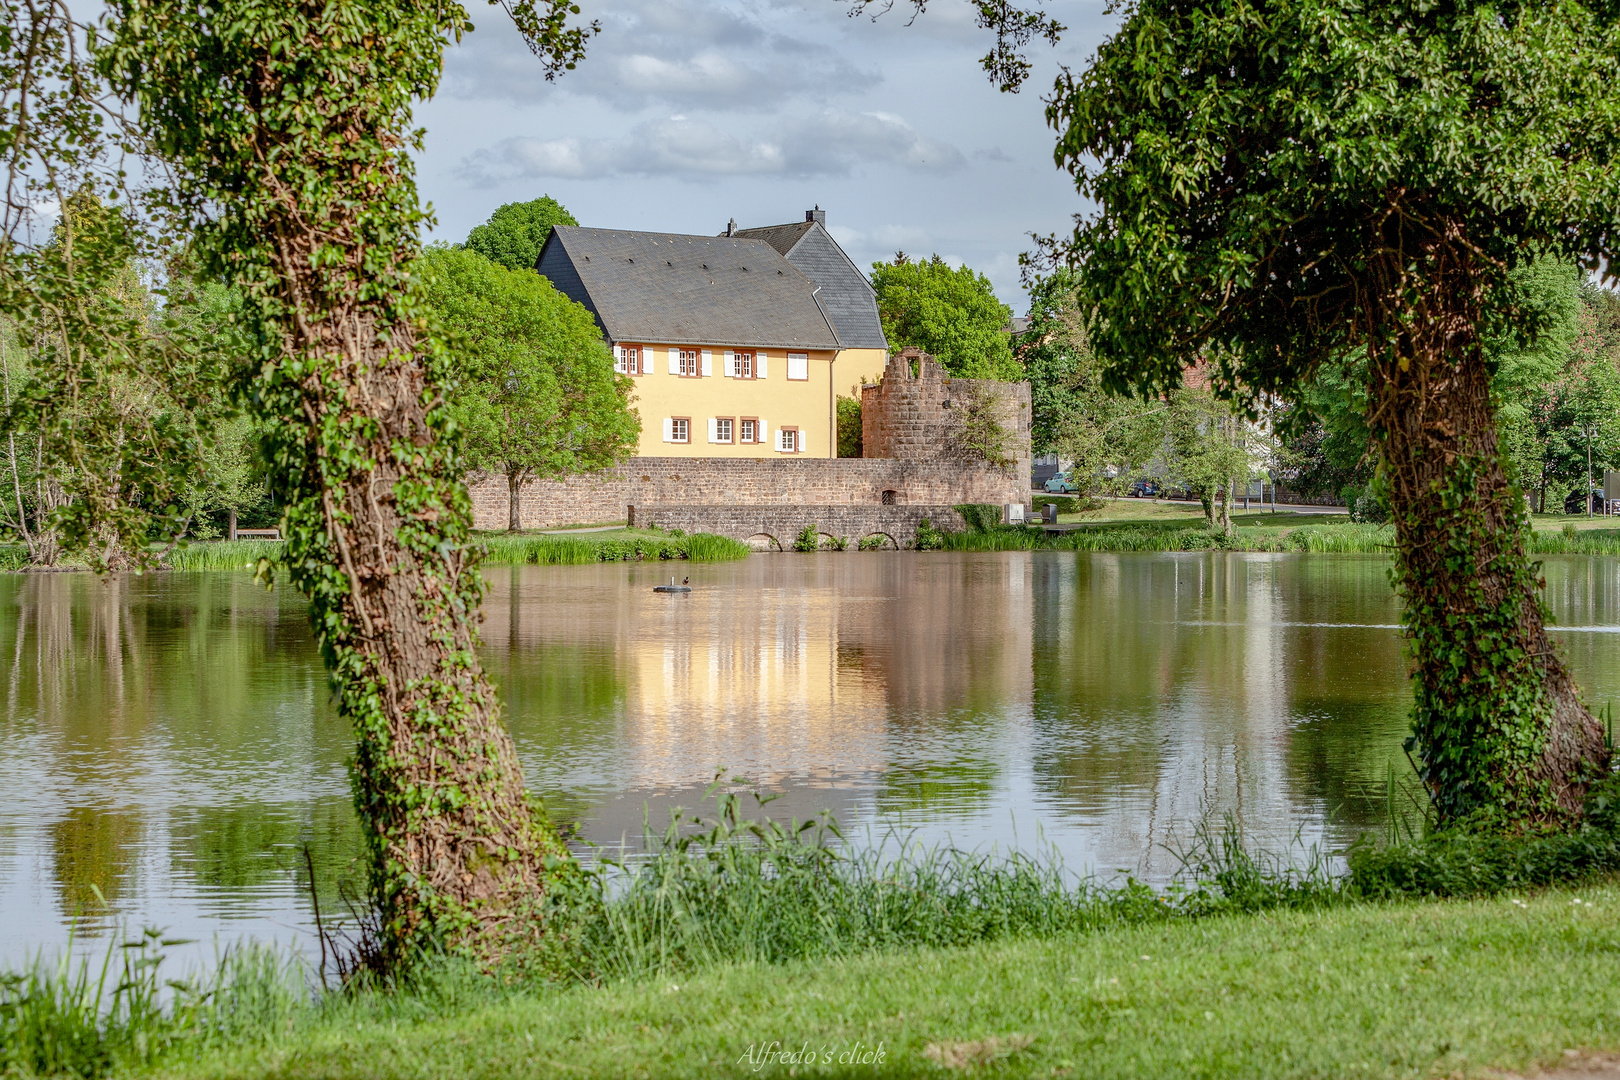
1444	989
748	934
504	550
1182	529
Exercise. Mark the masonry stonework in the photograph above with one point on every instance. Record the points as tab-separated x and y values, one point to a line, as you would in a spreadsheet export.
918	416
730	482
777	527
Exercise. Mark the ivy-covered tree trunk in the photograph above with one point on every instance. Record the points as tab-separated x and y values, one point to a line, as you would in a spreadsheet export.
1499	728
288	125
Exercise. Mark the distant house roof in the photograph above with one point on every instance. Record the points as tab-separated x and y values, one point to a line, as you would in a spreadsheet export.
845	292
698	290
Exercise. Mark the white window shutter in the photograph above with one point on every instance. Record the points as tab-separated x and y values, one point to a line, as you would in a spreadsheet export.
708	362
731	364
761	433
714	430
669	429
759	365
798	441
674	361
618	359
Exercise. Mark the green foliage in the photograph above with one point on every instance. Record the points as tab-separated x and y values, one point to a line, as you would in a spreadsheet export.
849	427
578	550
1286	185
873	543
1476	720
928	537
1567	402
87	1019
980	517
515	232
537	395
951	314
1229	206
1480	862
809	539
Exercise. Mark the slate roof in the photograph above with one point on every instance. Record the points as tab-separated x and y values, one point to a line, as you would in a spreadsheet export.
696	290
845	292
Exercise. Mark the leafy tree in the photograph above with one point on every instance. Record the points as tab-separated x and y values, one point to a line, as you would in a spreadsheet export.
286	129
536	394
515	233
1564	429
1109	439
1284	184
850	435
952	314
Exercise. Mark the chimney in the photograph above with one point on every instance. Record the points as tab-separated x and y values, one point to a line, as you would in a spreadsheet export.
818	215
731	227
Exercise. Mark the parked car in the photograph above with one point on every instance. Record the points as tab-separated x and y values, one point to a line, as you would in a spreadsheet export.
1146	488
1061	485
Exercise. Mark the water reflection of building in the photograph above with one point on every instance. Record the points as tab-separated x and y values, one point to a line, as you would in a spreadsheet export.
798	673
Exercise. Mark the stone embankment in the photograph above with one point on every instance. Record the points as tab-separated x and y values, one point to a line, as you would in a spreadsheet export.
777	527
724	484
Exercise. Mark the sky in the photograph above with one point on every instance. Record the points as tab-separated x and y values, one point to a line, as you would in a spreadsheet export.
688	113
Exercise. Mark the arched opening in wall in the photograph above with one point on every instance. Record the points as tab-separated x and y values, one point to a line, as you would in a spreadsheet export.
889	497
879	541
829	542
764	542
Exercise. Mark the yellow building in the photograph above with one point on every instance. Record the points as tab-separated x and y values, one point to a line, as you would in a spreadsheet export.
739	344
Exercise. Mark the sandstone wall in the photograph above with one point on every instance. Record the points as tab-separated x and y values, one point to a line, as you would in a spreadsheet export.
733	482
919	417
777	527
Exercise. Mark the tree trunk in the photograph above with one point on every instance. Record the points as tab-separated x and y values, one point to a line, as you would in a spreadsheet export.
378	527
457	852
231	527
514	501
1498	725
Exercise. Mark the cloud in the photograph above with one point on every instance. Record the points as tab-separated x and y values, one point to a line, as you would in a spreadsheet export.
990	153
829	143
680	53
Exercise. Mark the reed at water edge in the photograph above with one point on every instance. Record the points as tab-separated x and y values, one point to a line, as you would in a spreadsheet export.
501	550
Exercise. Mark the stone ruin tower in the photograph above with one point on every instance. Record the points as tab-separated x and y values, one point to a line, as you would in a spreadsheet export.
918	417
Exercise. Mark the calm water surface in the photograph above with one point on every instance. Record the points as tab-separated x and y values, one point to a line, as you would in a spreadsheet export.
169	742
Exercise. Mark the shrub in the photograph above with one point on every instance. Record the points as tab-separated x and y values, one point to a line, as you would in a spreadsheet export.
928	538
809	539
980	517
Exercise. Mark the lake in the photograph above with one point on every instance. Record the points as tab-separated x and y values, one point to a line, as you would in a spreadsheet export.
170	745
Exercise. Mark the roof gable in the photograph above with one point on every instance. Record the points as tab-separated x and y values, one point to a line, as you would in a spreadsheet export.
846	293
701	290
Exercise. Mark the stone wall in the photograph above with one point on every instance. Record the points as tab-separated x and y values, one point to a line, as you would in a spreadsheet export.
918	417
777	527
733	482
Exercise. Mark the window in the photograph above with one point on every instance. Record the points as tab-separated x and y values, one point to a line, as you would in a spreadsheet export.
680	429
627	360
798	365
690	361
788	440
721	431
743	365
746	428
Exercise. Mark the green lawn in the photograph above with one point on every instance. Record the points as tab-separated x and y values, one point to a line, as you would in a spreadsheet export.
1456	988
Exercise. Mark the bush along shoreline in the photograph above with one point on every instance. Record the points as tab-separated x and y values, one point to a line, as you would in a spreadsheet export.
500	550
737	892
